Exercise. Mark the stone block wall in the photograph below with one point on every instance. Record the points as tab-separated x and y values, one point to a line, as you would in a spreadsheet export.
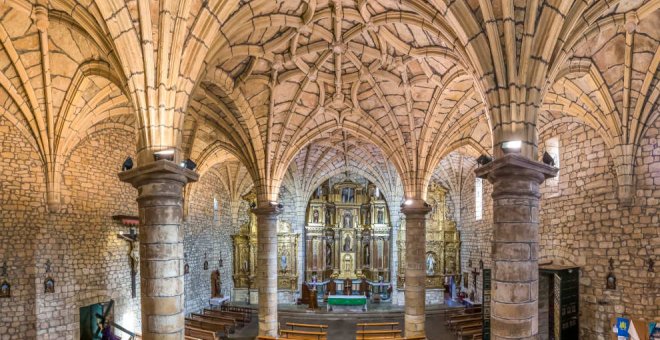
585	225
207	238
22	199
90	263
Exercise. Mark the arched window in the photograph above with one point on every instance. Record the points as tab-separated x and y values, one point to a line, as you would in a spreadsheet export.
552	147
216	211
478	199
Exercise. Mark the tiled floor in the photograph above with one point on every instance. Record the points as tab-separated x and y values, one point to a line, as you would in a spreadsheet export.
342	326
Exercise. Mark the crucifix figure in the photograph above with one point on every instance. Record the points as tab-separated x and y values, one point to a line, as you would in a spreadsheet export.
475	272
132	239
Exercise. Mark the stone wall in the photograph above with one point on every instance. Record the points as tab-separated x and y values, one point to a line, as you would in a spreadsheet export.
586	226
89	262
22	199
208	239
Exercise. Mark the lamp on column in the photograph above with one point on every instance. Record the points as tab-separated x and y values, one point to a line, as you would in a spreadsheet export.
188	164
164	154
512	146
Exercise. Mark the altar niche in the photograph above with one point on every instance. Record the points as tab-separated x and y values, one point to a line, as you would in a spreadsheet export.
245	255
347	233
443	244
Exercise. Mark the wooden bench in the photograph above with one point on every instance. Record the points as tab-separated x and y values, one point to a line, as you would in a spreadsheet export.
232	323
378	333
190	338
200	334
209	325
378	324
238	316
263	337
321	328
305	335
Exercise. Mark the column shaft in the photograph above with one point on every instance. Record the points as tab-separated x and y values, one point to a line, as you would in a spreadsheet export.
267	268
514	304
415	279
160	191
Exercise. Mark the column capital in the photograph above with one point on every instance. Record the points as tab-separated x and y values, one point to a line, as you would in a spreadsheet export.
270	209
414	207
516	165
158	171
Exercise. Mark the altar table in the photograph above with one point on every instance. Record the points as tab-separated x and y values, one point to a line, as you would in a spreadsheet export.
347	300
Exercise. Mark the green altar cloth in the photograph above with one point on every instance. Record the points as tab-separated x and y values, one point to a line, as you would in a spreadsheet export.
347	300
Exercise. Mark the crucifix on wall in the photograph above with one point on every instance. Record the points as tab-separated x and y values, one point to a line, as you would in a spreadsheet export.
132	239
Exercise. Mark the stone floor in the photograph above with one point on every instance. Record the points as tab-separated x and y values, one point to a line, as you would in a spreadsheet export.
342	326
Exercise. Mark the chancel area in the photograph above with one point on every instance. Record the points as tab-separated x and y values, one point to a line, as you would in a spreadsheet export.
329	169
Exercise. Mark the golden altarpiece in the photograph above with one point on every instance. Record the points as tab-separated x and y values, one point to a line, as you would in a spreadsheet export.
442	242
347	233
245	252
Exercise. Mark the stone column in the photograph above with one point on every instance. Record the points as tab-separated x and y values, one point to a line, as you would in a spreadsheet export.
514	304
267	267
160	192
415	280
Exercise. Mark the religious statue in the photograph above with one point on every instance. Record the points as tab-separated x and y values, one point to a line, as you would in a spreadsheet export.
5	290
366	254
430	264
245	266
379	216
327	215
348	263
215	284
49	285
347	243
328	254
315	216
348	220
283	262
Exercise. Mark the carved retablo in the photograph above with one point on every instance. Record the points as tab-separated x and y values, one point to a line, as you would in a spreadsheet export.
442	242
347	233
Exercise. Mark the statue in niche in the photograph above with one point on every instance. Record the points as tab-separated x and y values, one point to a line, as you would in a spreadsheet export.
315	216
348	220
328	254
347	243
348	263
367	254
430	264
5	289
49	285
283	263
245	266
380	216
327	215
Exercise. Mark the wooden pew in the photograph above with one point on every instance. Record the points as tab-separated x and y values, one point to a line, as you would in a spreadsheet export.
209	325
304	335
378	334
378	324
321	328
231	323
200	334
241	318
247	311
263	337
190	338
